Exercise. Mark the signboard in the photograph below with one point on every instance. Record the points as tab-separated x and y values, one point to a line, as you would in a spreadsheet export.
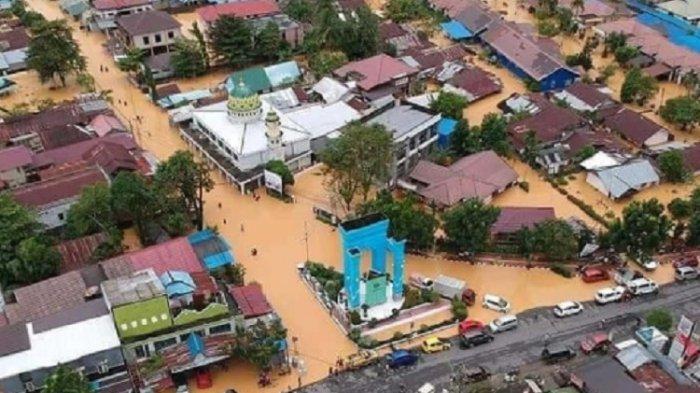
273	181
683	335
375	290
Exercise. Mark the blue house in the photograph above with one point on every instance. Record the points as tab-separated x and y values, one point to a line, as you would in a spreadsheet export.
526	57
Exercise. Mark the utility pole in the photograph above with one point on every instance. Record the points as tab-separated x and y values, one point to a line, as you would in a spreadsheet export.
306	239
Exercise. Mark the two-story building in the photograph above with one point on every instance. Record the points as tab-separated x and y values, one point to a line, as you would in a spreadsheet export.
378	76
104	13
154	32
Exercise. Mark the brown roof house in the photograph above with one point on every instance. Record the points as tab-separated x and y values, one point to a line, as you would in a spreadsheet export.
550	123
154	32
635	127
378	76
585	97
474	83
513	219
52	198
15	162
481	175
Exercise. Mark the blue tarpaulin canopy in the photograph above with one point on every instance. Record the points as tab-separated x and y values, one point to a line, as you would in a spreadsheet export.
195	344
445	128
456	30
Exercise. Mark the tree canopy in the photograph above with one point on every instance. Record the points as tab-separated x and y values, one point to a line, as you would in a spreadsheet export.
401	11
231	40
467	225
324	61
643	229
53	53
188	60
280	168
638	87
66	380
673	167
449	104
684	111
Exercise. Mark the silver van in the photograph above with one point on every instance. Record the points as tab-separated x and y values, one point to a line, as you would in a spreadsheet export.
684	273
503	324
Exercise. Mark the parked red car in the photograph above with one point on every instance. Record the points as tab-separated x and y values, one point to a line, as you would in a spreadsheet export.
204	379
469	325
595	342
689	261
594	274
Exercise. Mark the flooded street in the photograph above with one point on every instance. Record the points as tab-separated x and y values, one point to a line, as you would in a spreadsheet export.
277	229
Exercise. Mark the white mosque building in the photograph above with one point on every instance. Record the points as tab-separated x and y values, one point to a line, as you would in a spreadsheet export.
249	132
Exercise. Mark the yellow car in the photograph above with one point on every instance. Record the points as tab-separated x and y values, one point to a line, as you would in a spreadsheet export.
434	344
363	358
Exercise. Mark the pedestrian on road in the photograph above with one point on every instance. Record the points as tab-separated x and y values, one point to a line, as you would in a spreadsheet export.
101	68
224	221
242	228
219	205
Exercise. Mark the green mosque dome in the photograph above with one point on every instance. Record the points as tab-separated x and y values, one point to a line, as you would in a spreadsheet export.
243	100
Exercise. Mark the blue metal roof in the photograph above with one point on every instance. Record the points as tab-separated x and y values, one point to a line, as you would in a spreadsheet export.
445	128
217	260
200	236
283	73
177	283
456	30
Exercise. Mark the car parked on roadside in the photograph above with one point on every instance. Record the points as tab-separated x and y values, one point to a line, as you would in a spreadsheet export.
594	274
610	295
649	264
475	374
496	303
623	276
567	309
503	324
362	358
434	344
596	342
557	353
474	338
469	325
401	358
685	273
642	286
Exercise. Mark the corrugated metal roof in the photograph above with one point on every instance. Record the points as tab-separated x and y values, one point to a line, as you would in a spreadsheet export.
621	179
633	357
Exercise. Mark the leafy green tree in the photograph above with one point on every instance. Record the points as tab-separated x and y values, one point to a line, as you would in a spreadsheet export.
606	73
566	22
199	36
66	380
494	134
17	224
325	61
531	149
586	152
547	7
401	11
53	53
673	167
638	87
680	209
691	81
582	59
188	59
280	168
613	41
660	319
556	240
547	28
35	260
467	226
357	160
643	229
268	42
693	238
185	180
86	82
29	18
300	10
132	60
232	40
625	53
357	36
465	140
684	111
92	213
459	309
406	219
449	104
133	199
526	241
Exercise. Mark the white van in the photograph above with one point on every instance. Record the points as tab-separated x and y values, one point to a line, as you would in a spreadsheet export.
686	273
642	286
496	303
504	323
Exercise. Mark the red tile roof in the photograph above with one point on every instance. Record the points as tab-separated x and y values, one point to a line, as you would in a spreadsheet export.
15	157
633	126
549	124
589	94
176	254
76	253
477	82
242	9
14	39
480	175
104	124
375	71
512	219
250	300
74	152
45	192
102	5
111	157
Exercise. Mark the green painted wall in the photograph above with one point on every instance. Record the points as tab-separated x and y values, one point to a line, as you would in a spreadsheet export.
187	317
148	316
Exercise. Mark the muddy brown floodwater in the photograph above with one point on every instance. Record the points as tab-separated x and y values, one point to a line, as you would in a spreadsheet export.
277	229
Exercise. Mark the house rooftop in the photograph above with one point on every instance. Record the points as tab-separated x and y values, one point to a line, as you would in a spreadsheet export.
13	39
632	125
15	157
549	122
687	9
77	253
147	22
591	95
605	375
479	175
105	5
691	157
46	192
401	119
244	9
139	286
375	71
513	219
251	300
75	152
622	179
476	82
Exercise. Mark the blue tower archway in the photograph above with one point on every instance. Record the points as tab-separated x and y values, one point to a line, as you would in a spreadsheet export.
370	233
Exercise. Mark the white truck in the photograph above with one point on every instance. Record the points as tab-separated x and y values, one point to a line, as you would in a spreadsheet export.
449	287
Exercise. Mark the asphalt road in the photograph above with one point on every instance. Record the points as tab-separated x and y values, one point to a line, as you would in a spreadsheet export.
518	347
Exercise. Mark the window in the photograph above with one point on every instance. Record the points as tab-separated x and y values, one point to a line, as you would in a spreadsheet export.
61	216
158	345
146	41
158	39
226	327
171	34
142	351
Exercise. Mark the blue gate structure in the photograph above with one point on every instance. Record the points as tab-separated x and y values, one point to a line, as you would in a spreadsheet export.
370	233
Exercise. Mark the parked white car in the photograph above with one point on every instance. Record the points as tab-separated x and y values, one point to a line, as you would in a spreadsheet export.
686	273
649	264
642	286
610	295
567	309
496	303
503	324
